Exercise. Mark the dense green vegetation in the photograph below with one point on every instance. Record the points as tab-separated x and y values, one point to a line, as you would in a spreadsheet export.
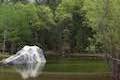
104	15
60	25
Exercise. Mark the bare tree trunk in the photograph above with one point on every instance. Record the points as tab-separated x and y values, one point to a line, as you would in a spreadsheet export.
12	47
4	41
36	38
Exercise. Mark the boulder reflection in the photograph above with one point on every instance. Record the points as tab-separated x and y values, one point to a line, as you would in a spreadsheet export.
29	70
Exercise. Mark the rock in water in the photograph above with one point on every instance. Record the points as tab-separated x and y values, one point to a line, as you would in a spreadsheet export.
28	54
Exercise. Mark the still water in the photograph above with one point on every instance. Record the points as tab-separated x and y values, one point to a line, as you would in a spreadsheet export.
53	71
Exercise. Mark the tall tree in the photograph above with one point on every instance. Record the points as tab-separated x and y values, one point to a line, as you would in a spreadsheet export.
71	12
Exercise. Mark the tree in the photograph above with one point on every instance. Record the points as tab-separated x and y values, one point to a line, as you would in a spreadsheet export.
78	25
17	27
104	17
42	23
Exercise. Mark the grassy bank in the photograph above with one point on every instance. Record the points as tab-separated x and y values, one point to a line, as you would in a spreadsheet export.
74	64
77	65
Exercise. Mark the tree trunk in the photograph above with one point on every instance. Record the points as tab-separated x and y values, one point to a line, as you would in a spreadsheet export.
4	41
12	47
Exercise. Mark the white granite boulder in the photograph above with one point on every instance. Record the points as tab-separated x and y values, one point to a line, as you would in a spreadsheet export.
28	54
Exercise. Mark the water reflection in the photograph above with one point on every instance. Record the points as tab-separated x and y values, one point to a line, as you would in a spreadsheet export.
30	70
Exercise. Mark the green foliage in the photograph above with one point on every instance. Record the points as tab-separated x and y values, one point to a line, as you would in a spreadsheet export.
70	14
51	27
15	20
60	24
9	22
44	18
104	17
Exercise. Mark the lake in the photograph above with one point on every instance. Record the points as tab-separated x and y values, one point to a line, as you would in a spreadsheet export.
57	69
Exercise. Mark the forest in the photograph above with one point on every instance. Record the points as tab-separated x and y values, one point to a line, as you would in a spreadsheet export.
73	26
